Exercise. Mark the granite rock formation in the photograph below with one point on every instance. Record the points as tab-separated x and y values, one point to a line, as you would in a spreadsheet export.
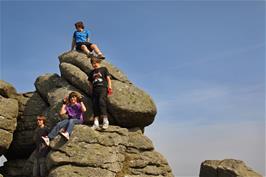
121	150
8	115
226	168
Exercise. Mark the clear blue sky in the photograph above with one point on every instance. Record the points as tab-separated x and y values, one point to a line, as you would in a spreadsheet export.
203	63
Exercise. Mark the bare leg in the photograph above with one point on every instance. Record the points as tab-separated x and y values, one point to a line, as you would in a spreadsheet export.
85	49
96	49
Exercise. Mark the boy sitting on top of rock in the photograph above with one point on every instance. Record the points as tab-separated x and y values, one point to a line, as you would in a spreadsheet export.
81	41
100	86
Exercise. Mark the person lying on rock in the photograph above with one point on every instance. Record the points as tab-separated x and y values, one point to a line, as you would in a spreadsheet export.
41	150
100	86
74	108
81	41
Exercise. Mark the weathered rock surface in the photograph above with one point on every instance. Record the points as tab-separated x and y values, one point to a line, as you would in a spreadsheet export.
53	89
7	90
30	106
226	168
110	153
115	152
75	76
8	121
129	105
83	62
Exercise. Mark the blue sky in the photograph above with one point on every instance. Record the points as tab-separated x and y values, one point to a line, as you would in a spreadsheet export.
202	62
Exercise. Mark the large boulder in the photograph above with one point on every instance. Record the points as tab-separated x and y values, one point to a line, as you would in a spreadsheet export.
129	106
110	153
7	90
75	76
141	158
226	168
83	62
8	121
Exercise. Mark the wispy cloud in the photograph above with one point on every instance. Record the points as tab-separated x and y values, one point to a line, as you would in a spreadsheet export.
211	122
213	103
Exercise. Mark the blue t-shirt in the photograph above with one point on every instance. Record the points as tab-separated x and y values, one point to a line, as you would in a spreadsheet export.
81	36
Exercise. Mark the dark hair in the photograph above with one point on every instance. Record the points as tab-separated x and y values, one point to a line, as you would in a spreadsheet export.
42	117
95	60
79	24
74	94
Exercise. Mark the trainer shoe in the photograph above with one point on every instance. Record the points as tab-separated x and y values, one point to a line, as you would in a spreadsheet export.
105	123
95	127
46	140
65	134
89	55
101	56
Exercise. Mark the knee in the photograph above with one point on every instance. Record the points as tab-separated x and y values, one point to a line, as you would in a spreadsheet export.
83	47
94	46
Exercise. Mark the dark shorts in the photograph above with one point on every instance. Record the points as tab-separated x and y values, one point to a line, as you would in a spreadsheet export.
87	44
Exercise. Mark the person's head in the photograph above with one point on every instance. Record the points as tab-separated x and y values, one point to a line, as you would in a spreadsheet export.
73	98
79	25
95	62
41	120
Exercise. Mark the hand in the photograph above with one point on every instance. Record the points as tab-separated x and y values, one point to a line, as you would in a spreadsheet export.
109	91
65	100
80	98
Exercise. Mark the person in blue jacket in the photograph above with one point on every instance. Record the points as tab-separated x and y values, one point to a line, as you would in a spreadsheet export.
81	41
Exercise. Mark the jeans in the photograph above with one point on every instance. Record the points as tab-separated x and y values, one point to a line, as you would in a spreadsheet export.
68	124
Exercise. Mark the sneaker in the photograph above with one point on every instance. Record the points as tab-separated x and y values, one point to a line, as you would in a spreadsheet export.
62	130
46	140
101	56
105	123
95	127
65	134
89	55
